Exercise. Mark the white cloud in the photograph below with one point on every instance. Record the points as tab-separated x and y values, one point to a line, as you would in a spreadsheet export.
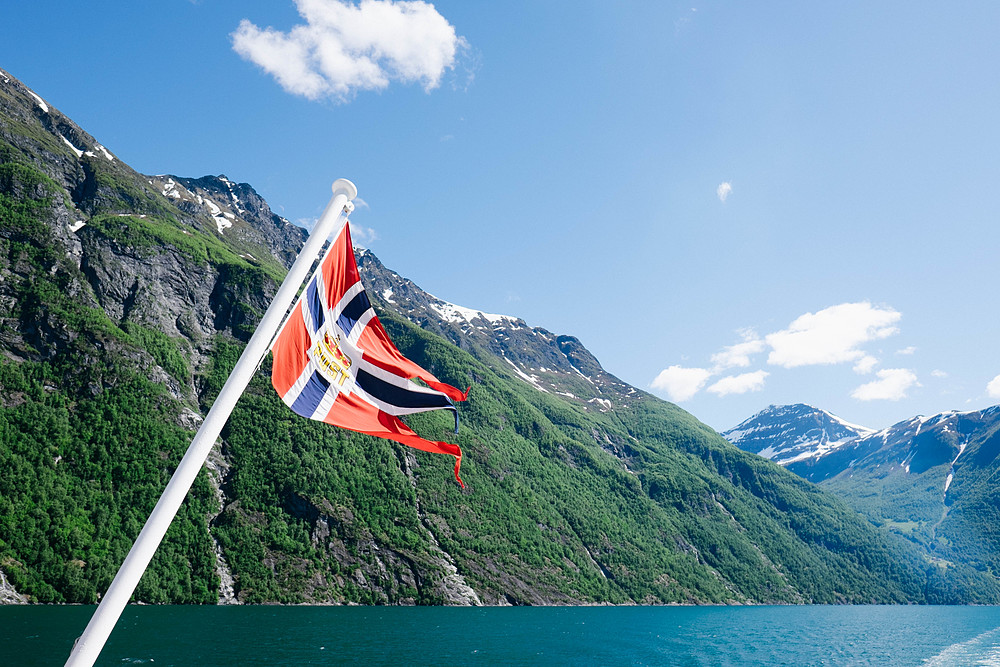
362	236
738	355
739	384
831	335
681	383
939	373
344	48
993	388
892	385
907	350
723	190
865	365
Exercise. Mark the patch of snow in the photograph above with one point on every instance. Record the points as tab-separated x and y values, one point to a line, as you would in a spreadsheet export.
530	379
76	226
951	471
108	155
232	194
220	220
768	452
819	451
863	430
580	373
736	436
452	313
41	102
603	402
566	393
387	295
170	189
73	148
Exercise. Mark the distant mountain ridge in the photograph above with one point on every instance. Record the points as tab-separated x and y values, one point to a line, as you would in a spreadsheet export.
794	436
931	479
819	446
125	300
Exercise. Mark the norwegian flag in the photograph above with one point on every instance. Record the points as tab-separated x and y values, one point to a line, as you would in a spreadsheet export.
334	362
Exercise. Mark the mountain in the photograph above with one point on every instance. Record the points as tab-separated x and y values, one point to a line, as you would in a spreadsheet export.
551	363
928	479
125	300
798	437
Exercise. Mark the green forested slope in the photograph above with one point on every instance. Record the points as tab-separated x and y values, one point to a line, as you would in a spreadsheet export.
549	514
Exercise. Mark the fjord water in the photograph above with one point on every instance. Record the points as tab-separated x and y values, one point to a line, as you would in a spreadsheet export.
163	636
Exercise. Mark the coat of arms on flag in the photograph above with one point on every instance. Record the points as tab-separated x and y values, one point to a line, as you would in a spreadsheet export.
334	362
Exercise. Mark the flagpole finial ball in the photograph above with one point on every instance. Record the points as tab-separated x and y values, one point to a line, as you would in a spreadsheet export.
345	187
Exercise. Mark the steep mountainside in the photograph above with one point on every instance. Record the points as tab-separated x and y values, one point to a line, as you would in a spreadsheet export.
125	300
929	479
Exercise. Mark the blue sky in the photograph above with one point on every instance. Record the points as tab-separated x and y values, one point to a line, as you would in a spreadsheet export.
730	204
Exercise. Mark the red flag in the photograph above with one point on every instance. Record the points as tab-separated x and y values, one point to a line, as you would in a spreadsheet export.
334	362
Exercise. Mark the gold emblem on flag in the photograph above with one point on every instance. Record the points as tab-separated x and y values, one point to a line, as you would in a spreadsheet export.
332	359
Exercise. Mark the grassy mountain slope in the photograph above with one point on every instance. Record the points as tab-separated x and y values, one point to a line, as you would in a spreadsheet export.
934	482
929	480
116	335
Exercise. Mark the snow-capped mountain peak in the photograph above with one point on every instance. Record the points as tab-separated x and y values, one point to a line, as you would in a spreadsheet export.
787	434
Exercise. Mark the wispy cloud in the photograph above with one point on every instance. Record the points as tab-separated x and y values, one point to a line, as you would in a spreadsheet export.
865	365
739	384
681	383
362	236
724	190
739	355
892	385
343	48
831	336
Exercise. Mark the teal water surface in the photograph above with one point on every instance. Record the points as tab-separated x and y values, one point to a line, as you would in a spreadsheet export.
229	636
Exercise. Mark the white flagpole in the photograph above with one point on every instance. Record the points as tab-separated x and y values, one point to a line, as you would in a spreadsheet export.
88	646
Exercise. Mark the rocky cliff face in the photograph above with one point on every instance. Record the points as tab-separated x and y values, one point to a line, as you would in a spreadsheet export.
237	211
8	595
